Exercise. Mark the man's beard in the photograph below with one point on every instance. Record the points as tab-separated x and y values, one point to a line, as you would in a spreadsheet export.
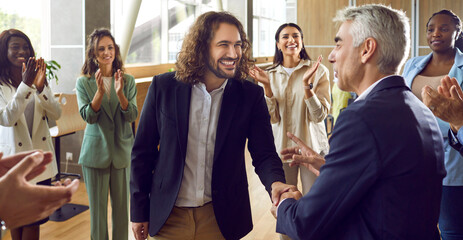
214	68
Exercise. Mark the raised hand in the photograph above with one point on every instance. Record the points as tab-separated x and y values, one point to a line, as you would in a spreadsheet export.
29	72
303	155
118	82
99	81
259	75
447	102
41	79
309	75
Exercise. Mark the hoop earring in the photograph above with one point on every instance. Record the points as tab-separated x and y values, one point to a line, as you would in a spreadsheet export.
96	62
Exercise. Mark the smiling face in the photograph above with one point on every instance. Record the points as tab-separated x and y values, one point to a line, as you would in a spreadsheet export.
18	51
290	41
346	60
441	33
224	51
105	51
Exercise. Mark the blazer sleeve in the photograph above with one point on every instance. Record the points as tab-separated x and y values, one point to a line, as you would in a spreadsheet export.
261	145
319	104
49	104
349	172
12	109
145	154
84	99
131	113
272	105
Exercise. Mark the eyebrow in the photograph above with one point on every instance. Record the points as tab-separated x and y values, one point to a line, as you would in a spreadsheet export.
443	25
227	42
337	39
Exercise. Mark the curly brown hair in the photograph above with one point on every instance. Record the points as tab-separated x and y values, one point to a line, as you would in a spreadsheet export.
91	64
193	57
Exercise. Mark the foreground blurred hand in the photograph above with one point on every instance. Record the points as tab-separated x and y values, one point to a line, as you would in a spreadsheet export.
446	103
22	203
303	155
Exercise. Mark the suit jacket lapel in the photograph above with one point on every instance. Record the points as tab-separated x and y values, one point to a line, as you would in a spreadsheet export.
182	105
231	96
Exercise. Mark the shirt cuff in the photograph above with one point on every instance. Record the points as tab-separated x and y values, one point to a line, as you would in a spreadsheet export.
279	206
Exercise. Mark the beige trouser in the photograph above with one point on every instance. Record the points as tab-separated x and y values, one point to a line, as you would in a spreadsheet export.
184	223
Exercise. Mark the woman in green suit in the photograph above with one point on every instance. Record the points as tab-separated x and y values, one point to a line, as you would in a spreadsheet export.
107	102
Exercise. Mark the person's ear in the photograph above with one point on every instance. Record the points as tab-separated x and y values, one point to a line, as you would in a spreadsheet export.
368	49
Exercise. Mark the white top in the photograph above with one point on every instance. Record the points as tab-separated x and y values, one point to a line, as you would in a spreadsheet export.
195	189
107	85
289	70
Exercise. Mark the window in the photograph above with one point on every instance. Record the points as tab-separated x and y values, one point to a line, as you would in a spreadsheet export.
14	14
267	17
160	28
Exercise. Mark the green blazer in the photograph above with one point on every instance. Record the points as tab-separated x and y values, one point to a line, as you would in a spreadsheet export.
108	137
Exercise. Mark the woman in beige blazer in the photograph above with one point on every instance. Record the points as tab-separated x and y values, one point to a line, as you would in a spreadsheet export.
107	102
26	104
297	91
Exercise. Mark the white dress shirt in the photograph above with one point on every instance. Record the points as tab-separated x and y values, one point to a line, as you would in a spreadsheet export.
195	189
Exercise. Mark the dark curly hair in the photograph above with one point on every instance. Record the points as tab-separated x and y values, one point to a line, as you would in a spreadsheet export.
91	64
5	64
278	56
193	57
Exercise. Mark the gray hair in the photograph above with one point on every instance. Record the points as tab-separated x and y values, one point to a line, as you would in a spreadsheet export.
389	27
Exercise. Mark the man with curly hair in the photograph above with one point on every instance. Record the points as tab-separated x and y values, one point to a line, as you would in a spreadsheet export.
188	169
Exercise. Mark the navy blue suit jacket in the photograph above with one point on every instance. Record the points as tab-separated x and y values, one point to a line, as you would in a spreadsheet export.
382	178
157	173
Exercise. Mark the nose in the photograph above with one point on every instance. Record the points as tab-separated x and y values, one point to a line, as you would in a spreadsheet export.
436	33
232	52
331	57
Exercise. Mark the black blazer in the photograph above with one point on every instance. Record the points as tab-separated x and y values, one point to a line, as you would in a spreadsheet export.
382	178
156	174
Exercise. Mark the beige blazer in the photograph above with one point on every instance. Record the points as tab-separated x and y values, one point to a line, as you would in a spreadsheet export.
15	136
290	112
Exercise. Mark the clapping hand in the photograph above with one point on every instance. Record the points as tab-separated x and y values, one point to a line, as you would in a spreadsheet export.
309	75
259	75
447	102
29	72
118	82
40	79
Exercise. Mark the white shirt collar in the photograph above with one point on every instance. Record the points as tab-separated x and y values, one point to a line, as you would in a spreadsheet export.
370	88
